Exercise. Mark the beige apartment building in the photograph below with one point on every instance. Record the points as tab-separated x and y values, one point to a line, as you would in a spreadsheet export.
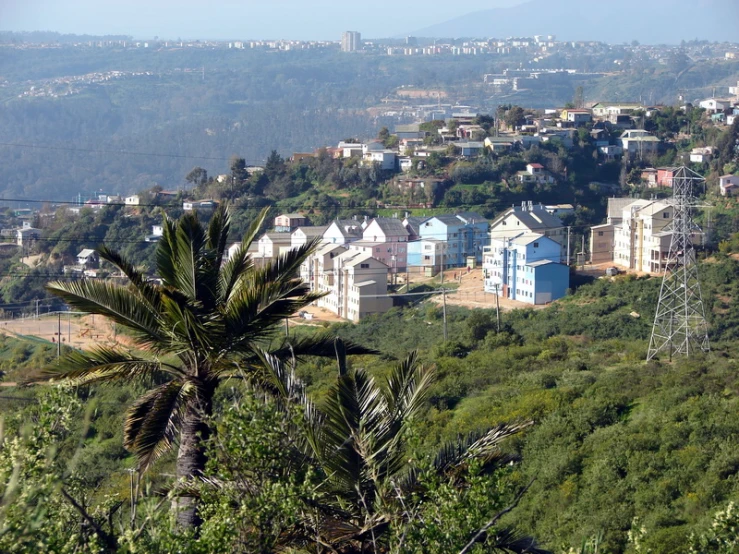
641	241
355	283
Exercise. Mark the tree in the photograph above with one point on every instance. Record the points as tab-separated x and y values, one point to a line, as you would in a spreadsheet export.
375	494
209	320
197	176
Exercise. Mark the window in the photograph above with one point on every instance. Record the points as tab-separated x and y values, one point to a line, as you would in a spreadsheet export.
600	233
665	215
536	245
364	266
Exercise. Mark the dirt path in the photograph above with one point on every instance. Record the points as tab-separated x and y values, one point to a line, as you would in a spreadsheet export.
78	331
470	293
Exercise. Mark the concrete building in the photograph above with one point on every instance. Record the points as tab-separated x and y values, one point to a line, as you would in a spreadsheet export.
26	234
640	240
464	235
351	41
354	282
527	268
638	143
271	244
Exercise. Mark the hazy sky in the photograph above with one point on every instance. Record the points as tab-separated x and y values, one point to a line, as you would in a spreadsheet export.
224	19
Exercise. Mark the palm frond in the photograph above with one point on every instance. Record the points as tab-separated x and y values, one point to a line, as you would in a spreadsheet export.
147	291
152	422
235	269
484	447
166	254
104	364
218	229
408	387
323	345
112	301
190	238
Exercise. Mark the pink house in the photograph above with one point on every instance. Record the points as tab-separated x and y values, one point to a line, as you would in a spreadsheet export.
386	240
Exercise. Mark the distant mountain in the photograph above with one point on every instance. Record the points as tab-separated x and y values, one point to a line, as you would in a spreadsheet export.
648	21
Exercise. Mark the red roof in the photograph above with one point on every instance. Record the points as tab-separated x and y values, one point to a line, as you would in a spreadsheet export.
537	166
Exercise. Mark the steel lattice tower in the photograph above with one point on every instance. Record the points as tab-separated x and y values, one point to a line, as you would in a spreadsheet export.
680	321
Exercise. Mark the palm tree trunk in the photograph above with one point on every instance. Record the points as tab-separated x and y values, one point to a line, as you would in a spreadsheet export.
191	459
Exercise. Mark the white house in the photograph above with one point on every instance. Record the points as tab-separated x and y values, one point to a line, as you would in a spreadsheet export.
701	154
132	200
384	158
87	258
527	268
714	105
302	235
157	231
271	245
728	185
529	218
638	143
343	231
534	173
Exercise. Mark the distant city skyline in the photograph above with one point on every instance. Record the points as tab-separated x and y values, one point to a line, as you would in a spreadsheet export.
230	19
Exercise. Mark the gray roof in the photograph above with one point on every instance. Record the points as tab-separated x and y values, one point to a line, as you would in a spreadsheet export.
469	144
526	238
277	237
349	227
415	222
313	231
471	217
449	219
390	226
541	262
533	220
616	206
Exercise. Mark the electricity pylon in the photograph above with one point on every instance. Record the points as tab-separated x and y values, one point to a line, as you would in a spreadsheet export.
680	321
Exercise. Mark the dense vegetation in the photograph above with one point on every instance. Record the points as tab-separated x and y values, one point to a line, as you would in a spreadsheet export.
635	456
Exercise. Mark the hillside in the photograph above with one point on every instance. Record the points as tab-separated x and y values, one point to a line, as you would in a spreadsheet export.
653	22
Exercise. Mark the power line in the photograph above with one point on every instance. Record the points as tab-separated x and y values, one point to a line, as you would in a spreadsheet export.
116	152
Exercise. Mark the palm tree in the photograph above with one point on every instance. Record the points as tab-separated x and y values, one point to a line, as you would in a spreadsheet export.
210	319
357	439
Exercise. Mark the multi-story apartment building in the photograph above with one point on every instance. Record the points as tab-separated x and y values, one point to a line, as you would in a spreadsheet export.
527	268
641	241
354	283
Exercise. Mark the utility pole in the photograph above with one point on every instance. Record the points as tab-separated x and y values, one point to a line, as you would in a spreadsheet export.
582	253
443	295
568	245
37	302
59	335
497	306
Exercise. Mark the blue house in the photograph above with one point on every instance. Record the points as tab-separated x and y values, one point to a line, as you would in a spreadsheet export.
463	235
526	268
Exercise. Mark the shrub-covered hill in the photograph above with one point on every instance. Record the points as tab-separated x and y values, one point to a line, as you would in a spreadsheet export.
639	454
620	445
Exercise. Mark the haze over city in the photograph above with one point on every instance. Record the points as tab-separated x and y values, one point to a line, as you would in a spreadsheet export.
228	19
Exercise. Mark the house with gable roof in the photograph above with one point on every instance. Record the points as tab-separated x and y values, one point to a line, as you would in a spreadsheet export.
527	267
343	231
386	240
528	217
